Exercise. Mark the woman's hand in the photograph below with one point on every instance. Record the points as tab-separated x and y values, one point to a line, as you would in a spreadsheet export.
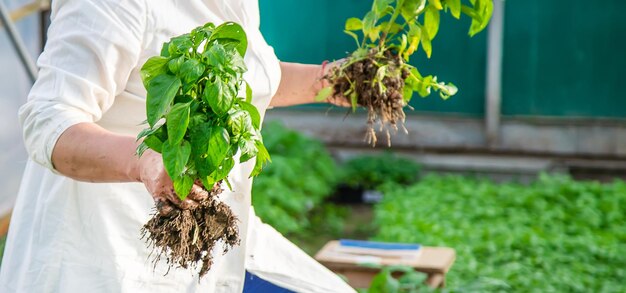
153	175
327	68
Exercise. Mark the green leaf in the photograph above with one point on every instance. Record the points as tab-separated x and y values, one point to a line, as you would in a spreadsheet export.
431	21
413	278
374	33
247	150
407	94
323	94
175	157
469	11
161	92
436	4
455	8
199	137
216	95
177	121
207	181
165	50
191	70
215	56
237	63
174	64
353	24
141	148
384	283
354	100
231	31
414	37
223	170
354	36
248	93
261	158
202	33
154	143
219	143
147	132
404	42
253	112
480	13
380	7
486	16
426	44
180	45
393	29
447	90
182	186
424	85
369	22
411	8
152	68
239	123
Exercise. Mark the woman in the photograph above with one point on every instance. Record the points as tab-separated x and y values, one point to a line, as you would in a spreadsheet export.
85	195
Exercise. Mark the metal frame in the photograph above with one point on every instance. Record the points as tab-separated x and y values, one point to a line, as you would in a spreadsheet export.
493	87
7	20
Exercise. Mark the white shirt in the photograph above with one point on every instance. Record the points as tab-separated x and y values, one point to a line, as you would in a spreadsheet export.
70	236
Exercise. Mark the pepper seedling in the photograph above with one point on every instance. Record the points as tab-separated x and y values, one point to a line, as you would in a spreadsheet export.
377	75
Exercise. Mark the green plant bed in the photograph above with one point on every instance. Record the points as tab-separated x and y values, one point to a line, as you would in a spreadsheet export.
361	176
302	174
555	235
372	171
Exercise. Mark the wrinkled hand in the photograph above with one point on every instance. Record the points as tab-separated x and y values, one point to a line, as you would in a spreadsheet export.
154	176
326	69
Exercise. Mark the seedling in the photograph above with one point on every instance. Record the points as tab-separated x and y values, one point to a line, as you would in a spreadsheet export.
199	123
377	75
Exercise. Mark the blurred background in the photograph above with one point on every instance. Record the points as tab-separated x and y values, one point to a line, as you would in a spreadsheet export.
520	172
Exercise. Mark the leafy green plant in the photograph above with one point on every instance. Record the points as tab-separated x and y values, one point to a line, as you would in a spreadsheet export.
409	281
377	76
199	123
194	85
372	171
301	176
554	235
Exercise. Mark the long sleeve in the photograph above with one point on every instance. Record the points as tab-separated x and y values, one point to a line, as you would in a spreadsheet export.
92	47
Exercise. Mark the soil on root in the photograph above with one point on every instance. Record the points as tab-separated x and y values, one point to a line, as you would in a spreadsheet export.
186	238
375	82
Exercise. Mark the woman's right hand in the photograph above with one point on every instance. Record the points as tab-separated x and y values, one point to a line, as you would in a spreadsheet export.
153	175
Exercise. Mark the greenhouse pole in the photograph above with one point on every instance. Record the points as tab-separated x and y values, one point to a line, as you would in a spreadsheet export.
29	64
493	99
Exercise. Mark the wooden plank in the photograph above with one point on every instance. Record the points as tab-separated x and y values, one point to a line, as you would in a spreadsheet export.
358	279
436	280
432	259
28	9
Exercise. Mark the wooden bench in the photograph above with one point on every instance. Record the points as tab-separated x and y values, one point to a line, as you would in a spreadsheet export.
434	261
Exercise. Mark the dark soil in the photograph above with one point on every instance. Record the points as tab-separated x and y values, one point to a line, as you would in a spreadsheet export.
382	98
185	238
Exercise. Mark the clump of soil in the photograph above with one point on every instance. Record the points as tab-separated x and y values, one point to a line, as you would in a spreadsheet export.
185	238
375	82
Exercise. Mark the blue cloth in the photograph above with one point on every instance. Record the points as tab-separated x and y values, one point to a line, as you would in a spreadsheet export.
254	284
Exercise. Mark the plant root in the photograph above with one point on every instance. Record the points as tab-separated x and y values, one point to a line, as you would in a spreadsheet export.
375	82
186	238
